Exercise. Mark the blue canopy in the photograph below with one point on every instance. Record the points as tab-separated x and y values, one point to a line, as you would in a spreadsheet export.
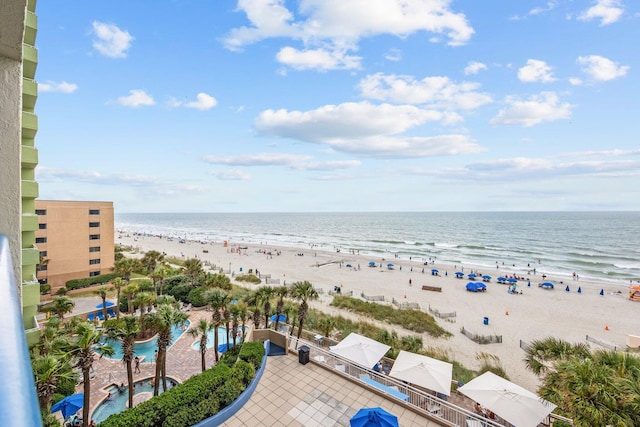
223	347
373	417
390	266
486	277
471	275
69	405
434	270
282	318
459	273
372	263
109	304
546	285
512	280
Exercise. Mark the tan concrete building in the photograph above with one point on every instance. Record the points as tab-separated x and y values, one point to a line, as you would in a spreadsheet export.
75	240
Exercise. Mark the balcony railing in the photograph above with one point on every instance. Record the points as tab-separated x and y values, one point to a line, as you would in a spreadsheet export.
18	399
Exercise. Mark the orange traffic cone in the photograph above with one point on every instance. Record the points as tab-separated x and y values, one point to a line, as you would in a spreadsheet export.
507	313
606	328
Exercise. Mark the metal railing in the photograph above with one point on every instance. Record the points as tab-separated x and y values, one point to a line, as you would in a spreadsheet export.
18	398
430	405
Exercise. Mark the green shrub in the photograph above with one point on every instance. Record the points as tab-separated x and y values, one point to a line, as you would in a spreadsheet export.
244	371
252	352
229	358
45	288
197	297
229	391
192	415
251	278
89	281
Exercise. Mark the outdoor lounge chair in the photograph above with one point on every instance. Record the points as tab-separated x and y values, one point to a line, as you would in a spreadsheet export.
100	316
91	317
111	313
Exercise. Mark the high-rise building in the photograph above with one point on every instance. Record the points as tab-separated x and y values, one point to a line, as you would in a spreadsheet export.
75	240
18	154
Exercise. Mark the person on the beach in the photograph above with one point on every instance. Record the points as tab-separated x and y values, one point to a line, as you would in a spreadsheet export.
137	370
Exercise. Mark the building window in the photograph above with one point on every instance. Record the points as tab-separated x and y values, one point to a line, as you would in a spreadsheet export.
94	237
41	211
41	240
94	249
94	224
42	267
94	211
43	254
94	261
42	226
94	273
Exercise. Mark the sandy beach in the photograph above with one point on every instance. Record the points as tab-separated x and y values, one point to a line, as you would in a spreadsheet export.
534	314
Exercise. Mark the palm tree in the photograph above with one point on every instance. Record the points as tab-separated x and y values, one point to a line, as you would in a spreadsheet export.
281	292
326	325
117	284
243	312
151	260
217	299
202	330
162	272
162	322
303	291
264	295
234	312
125	330
48	371
125	268
192	268
542	354
84	349
61	306
253	300
102	293
144	300
130	291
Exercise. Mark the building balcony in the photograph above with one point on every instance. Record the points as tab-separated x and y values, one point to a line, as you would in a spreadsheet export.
30	189
29	125
29	61
29	222
30	256
29	94
29	156
31	28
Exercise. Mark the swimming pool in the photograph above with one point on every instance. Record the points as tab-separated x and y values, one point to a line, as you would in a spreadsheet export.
222	338
145	350
119	400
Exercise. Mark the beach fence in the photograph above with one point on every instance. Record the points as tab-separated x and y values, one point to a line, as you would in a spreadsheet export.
441	315
342	294
271	281
481	339
405	305
524	345
602	343
372	297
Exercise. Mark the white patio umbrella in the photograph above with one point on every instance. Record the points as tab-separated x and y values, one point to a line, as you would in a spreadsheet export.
360	350
424	371
508	400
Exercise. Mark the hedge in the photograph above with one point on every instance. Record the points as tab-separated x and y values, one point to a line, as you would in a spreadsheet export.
89	281
198	398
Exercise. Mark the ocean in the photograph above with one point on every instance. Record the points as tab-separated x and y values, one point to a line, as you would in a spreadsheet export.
595	245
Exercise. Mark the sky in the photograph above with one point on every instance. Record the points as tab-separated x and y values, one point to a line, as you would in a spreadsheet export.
340	105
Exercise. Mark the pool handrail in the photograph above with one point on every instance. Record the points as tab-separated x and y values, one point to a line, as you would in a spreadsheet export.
18	398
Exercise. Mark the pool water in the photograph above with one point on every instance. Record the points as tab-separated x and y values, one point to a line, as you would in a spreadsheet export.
145	350
118	402
222	338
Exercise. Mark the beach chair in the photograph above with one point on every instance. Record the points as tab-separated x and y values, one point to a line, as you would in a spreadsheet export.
91	317
100	316
111	313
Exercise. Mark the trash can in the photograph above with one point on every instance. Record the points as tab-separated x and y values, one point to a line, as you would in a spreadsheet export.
303	354
486	321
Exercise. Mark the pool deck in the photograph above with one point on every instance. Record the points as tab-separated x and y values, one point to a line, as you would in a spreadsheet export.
288	394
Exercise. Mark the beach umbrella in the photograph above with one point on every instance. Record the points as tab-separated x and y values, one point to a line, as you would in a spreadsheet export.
486	277
109	304
546	285
281	318
69	405
360	350
512	280
476	286
434	270
372	263
373	417
424	371
459	274
471	275
390	266
509	401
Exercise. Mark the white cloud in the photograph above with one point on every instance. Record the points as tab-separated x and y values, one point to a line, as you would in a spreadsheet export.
600	68
607	11
203	102
541	9
436	91
136	98
320	59
544	107
393	55
291	161
535	71
231	175
575	81
110	40
367	130
474	67
62	87
338	25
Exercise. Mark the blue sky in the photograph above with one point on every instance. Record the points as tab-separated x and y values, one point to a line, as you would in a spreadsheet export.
340	105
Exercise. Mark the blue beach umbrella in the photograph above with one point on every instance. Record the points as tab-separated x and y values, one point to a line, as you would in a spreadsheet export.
373	417
502	279
69	405
486	278
471	275
390	266
372	263
459	274
546	285
282	318
223	347
512	280
434	270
